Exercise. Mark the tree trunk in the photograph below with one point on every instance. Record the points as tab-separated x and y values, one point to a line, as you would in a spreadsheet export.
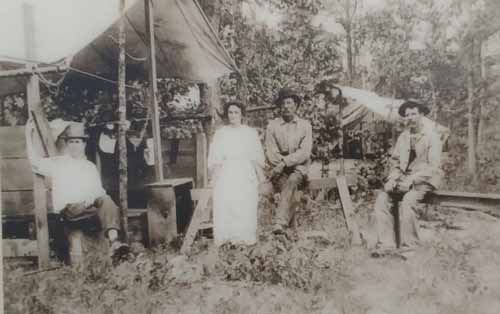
348	29
480	114
122	114
350	65
471	130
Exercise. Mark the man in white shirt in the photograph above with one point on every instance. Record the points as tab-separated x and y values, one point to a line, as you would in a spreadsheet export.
77	190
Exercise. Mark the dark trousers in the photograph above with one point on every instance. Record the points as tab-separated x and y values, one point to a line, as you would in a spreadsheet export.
106	211
287	183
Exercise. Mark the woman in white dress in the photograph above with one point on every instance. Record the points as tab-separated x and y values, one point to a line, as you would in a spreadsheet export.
235	163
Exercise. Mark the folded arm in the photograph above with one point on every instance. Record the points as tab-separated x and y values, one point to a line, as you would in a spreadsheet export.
433	167
303	153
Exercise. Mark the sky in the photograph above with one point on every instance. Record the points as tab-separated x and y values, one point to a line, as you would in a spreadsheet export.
61	26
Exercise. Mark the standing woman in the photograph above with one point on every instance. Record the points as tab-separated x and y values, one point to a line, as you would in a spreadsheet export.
235	162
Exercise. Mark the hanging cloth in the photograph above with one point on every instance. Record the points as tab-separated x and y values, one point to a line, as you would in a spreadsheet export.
107	144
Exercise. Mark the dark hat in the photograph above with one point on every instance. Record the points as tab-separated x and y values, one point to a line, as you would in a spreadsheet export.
74	130
412	103
287	92
324	87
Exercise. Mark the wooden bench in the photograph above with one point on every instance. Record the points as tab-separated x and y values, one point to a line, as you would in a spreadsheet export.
485	202
201	218
488	203
202	215
19	236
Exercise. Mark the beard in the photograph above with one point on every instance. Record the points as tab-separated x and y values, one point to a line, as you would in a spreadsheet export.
287	116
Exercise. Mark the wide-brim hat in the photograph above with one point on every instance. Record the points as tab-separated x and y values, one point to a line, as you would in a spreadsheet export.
57	127
412	103
74	130
287	92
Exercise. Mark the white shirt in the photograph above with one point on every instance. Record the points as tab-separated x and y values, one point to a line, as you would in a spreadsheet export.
73	180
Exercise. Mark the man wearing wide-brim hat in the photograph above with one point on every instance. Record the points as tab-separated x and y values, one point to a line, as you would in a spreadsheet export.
288	146
77	191
415	170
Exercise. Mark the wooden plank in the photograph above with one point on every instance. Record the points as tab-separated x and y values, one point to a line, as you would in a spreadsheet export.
29	71
16	174
19	247
327	183
33	96
201	160
197	194
13	143
17	202
348	209
199	216
171	182
466	206
153	87
485	202
469	195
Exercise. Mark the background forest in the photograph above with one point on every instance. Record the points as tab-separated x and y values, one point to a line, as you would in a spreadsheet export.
437	51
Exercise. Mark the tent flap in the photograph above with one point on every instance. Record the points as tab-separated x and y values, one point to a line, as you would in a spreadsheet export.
186	45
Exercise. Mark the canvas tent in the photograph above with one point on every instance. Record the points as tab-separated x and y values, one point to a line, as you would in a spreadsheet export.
362	102
74	38
83	35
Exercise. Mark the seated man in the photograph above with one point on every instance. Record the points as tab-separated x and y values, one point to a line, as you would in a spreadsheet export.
77	191
288	146
415	170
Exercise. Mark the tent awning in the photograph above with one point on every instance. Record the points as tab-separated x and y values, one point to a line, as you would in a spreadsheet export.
186	45
361	102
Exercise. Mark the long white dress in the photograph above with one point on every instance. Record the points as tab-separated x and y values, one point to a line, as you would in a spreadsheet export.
235	161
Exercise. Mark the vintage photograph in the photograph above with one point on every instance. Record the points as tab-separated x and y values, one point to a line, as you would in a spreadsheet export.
250	156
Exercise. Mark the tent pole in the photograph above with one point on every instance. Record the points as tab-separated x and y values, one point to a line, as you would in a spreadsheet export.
33	97
122	115
341	140
153	88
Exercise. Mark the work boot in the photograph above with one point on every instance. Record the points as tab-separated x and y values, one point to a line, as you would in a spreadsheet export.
119	249
278	229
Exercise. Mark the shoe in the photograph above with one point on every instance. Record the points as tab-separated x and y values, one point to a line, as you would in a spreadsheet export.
119	249
278	229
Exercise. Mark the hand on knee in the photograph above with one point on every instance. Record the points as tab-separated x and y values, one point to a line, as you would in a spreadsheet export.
294	180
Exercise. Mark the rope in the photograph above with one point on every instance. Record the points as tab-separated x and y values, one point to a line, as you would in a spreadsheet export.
148	117
101	78
49	84
46	81
138	59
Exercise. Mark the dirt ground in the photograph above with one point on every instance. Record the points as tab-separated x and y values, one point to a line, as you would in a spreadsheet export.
313	270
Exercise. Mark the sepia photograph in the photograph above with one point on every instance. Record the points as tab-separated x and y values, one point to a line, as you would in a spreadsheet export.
250	156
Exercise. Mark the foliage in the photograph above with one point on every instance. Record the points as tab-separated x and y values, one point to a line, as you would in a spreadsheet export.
276	262
95	104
